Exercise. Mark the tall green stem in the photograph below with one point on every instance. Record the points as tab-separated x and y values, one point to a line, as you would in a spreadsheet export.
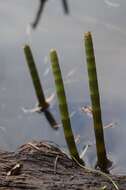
95	100
63	106
35	78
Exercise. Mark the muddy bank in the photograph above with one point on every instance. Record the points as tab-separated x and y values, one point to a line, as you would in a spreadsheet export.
40	165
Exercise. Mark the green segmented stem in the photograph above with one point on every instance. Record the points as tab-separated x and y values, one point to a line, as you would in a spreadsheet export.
63	106
35	78
95	100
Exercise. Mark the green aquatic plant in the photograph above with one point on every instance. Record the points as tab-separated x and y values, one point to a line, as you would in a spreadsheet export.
102	162
63	106
35	78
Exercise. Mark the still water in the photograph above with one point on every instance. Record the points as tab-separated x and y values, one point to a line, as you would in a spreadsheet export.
106	20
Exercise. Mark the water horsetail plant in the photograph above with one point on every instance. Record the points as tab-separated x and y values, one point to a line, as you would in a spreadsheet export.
35	78
63	106
103	163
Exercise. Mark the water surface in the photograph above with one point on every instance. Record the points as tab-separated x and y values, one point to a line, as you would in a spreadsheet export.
106	20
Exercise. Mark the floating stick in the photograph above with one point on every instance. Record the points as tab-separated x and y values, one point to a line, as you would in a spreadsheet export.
42	3
103	163
65	6
35	78
39	13
63	106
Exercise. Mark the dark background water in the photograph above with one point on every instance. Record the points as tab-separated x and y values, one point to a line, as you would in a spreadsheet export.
106	20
